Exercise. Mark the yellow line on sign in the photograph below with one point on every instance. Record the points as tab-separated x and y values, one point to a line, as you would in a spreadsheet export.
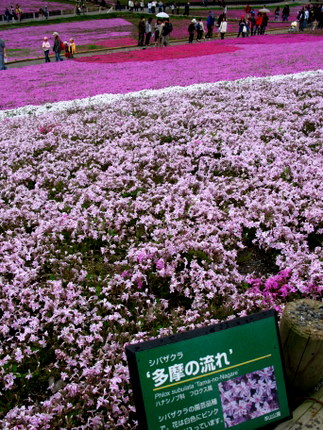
212	373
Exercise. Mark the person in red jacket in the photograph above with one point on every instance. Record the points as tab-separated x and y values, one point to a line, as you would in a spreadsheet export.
258	24
247	10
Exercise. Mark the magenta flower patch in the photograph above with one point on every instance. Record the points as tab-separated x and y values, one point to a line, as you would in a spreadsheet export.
157	54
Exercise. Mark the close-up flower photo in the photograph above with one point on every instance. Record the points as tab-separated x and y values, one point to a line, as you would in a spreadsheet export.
249	396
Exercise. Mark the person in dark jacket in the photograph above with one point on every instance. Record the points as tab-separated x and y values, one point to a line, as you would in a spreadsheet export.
187	9
210	25
7	15
57	47
252	23
141	31
191	30
3	55
264	23
166	31
285	13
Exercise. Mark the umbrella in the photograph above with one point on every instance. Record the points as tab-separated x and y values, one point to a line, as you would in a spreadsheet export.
264	10
162	15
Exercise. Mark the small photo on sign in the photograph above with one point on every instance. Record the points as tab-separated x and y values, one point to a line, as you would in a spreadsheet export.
249	396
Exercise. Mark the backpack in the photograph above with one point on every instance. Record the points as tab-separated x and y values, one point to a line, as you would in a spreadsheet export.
167	29
62	46
198	27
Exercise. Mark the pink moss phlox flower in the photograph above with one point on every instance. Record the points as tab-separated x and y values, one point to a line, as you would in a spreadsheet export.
160	264
90	210
141	257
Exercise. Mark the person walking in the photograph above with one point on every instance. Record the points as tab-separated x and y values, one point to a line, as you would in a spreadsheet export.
242	27
57	48
199	30
3	55
306	17
191	30
158	30
131	5
264	23
223	28
258	24
148	31
141	31
187	9
247	10
18	12
7	15
46	13
46	48
13	14
210	25
285	13
166	31
72	48
301	17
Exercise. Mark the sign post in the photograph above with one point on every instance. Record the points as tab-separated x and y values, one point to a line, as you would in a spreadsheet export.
218	377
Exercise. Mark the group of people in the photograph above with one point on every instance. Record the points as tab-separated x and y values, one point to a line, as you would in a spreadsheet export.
310	15
284	15
196	27
43	12
248	25
253	25
68	48
80	7
154	6
161	31
13	14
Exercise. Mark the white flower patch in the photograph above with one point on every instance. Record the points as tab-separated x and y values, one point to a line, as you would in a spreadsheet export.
114	98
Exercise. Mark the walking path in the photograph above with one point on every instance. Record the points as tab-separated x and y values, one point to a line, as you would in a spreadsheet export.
95	10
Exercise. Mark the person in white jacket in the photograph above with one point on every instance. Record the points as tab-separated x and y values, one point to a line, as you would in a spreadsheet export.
46	48
223	27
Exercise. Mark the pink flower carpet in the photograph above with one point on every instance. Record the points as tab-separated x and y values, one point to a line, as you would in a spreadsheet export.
68	80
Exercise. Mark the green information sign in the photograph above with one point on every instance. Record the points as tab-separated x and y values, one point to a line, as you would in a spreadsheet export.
223	376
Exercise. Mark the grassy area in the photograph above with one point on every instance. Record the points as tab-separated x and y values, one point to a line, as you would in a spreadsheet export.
18	51
89	47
